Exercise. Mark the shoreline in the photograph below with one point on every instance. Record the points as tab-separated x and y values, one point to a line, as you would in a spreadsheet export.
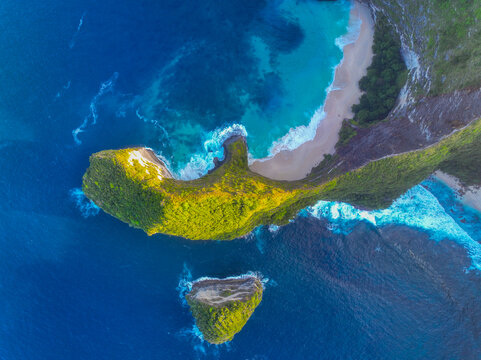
470	196
296	164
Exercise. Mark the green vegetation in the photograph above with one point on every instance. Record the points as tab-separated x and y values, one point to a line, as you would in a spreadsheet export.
384	79
220	322
447	37
454	45
232	200
379	182
346	133
225	204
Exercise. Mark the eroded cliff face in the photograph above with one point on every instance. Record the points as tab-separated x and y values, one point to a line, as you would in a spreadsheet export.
441	49
441	41
442	94
221	307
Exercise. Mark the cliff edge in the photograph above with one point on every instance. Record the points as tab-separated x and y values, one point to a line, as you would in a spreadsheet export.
221	307
232	200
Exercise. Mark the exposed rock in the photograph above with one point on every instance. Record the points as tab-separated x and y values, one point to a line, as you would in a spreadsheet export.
221	307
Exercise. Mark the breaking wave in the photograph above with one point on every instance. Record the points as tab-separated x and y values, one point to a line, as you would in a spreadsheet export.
304	133
351	35
200	163
87	207
185	284
298	135
418	208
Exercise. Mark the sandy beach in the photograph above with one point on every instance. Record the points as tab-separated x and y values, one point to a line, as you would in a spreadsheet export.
470	196
357	56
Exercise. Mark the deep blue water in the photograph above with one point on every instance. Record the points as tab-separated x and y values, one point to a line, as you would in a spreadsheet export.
77	284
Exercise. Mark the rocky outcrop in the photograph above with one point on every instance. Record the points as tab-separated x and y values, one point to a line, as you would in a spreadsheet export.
407	129
442	93
221	307
232	200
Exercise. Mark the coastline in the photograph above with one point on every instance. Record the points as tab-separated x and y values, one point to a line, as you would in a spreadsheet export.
470	196
297	163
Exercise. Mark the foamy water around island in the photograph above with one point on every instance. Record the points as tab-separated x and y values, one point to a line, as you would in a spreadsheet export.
293	161
77	283
286	158
293	155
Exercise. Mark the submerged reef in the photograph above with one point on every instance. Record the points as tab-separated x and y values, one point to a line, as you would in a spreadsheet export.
221	307
229	202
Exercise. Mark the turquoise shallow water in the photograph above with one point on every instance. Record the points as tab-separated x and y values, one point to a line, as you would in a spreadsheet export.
80	76
292	51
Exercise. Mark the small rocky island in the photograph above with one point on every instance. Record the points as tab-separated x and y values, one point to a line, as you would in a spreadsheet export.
221	307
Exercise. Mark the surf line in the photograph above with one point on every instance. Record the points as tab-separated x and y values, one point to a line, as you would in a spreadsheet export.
92	116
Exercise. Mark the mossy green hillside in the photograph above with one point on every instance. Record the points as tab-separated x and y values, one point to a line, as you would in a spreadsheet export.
232	200
220	320
446	34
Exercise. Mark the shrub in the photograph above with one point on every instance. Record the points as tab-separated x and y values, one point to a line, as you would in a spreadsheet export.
385	77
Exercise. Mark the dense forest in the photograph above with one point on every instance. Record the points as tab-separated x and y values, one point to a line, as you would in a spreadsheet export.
381	86
385	77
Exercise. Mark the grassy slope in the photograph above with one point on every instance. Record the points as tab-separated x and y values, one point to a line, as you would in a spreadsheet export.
232	201
447	35
219	324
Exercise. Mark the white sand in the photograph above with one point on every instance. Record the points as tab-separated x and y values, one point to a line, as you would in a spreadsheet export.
470	196
296	164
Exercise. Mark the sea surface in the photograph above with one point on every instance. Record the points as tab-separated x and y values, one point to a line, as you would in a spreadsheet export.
78	77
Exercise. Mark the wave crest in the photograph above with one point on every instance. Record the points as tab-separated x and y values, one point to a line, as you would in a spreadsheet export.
417	208
86	206
200	163
298	135
304	133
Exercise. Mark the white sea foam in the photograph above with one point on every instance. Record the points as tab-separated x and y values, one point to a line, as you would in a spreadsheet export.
298	135
201	347
304	133
87	207
186	281
155	122
273	228
91	118
200	163
193	333
264	280
79	27
185	284
417	208
411	59
351	36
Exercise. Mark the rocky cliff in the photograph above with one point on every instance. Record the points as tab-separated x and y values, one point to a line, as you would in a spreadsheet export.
221	307
441	45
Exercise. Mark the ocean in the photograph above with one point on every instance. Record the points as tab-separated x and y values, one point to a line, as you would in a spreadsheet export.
180	77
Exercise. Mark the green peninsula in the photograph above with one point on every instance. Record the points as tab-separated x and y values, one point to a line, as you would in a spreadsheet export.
229	202
221	307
